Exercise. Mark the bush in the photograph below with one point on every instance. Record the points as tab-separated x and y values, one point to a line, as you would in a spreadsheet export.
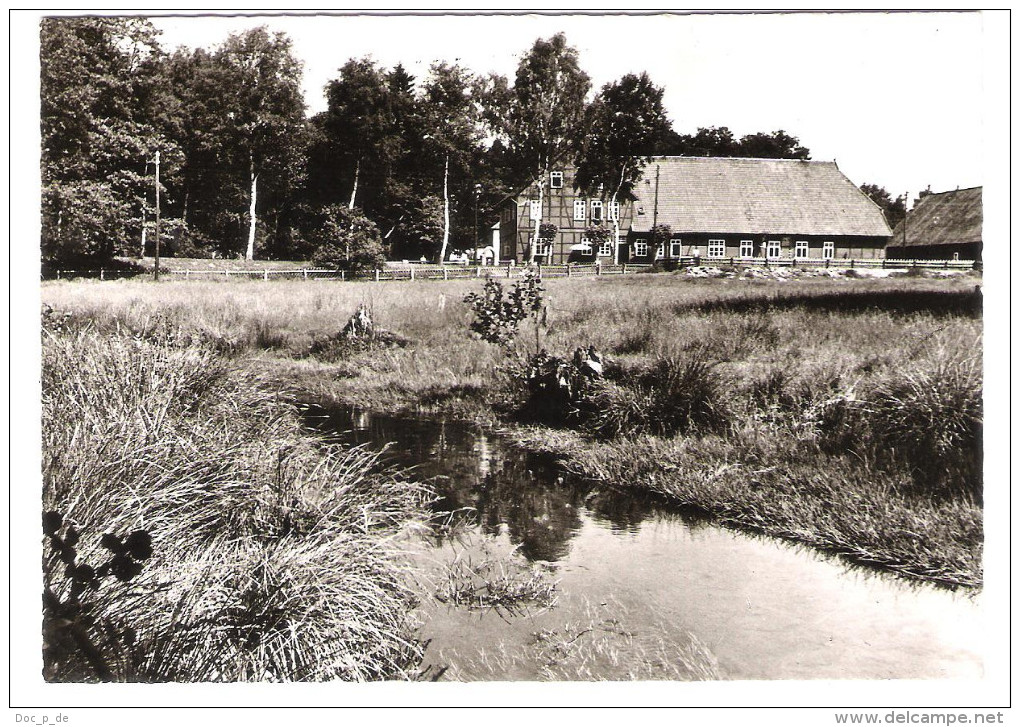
497	317
346	240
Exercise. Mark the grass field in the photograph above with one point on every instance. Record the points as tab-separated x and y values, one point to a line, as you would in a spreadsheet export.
845	414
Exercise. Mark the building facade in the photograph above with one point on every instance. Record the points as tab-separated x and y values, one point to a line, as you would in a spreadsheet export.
941	226
715	209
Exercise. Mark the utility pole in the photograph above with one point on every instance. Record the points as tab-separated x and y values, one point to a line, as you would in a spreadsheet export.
156	270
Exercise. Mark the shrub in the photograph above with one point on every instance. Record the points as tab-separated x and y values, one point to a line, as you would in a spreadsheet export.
497	317
347	240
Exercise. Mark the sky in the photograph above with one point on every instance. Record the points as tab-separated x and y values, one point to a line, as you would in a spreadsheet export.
896	99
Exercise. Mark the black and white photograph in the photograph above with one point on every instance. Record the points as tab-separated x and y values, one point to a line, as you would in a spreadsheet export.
510	359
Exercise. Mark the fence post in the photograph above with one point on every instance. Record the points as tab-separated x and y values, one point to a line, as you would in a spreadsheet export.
624	269
102	274
265	274
377	275
508	273
187	275
539	271
304	273
412	272
568	270
478	272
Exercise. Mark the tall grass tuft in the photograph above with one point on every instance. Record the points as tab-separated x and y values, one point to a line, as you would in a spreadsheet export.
272	556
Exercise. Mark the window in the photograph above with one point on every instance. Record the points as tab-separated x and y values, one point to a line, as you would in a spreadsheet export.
801	250
640	248
676	248
556	180
717	248
543	250
585	247
660	251
747	248
774	249
828	249
606	248
579	209
535	212
614	211
596	211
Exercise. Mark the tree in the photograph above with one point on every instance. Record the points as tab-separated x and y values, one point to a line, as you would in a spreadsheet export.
266	111
453	134
777	145
540	118
96	133
359	121
894	210
719	141
622	126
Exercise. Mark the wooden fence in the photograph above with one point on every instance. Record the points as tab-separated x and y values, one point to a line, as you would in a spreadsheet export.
415	271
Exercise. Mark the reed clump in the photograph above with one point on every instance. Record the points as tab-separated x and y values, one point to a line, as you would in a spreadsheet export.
271	554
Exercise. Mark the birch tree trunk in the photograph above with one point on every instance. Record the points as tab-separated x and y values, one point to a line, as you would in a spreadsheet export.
250	252
354	190
538	222
446	210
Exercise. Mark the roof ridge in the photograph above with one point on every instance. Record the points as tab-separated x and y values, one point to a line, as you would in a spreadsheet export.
748	159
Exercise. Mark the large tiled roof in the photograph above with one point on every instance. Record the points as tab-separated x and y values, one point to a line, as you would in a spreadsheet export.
943	218
766	196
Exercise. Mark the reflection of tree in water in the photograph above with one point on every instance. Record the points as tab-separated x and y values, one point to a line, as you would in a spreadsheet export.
471	469
625	511
539	508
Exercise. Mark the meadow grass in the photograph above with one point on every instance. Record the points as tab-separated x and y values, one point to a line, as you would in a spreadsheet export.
274	557
842	413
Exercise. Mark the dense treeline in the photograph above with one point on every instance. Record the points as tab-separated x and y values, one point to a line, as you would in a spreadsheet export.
395	166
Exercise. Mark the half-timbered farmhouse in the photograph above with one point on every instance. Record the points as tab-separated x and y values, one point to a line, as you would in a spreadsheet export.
715	208
942	226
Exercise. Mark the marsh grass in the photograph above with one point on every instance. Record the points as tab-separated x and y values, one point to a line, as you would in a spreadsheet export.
274	556
869	390
486	577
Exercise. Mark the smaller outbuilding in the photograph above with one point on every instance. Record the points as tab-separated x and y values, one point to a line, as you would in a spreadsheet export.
942	226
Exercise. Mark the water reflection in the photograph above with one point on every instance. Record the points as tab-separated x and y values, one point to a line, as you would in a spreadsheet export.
766	609
501	487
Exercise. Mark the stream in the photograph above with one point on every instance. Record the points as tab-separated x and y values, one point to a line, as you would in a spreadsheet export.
650	583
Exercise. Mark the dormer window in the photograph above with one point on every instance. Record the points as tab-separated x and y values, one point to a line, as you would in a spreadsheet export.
556	180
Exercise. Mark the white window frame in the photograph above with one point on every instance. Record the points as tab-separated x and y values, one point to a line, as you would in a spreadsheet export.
641	248
676	247
579	210
534	210
746	249
596	210
716	249
555	180
543	249
828	250
586	243
614	211
801	250
774	249
660	250
606	248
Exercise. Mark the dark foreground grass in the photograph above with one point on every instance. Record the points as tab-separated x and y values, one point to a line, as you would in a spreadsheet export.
272	556
845	414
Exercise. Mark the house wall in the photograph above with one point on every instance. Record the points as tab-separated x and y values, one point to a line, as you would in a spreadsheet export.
844	247
965	251
557	209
